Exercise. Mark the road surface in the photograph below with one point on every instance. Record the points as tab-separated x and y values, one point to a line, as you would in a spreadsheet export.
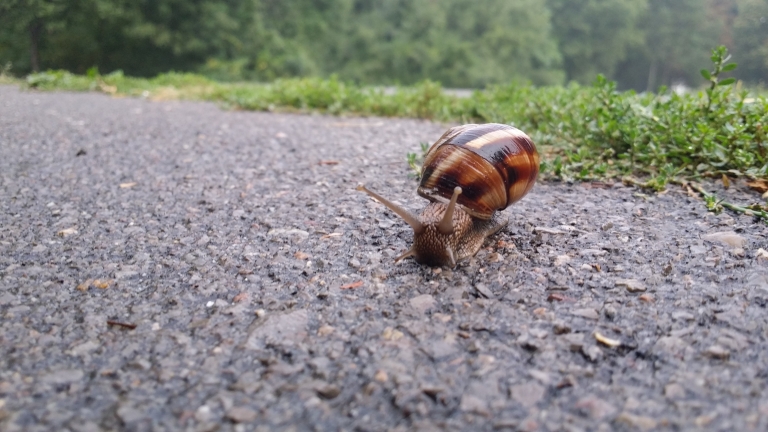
173	266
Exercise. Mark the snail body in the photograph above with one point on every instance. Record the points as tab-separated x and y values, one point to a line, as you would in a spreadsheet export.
469	174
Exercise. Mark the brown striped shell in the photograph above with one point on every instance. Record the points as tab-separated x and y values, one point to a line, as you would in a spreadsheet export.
494	164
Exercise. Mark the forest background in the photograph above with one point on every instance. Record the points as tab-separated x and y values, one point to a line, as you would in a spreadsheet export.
640	44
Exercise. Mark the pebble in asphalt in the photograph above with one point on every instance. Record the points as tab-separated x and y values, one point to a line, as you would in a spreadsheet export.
169	265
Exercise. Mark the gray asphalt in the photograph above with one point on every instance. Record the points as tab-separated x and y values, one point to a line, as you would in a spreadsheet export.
172	266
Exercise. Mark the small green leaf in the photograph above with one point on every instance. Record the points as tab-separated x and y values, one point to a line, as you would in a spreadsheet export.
729	67
727	81
705	73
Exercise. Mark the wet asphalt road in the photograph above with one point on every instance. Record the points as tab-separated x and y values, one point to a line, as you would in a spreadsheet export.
172	266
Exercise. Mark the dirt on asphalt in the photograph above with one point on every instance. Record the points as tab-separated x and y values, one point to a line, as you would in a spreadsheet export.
169	265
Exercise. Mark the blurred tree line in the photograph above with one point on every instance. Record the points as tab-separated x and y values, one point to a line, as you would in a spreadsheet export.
642	44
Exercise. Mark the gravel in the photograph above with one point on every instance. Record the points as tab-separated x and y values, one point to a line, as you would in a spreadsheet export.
169	265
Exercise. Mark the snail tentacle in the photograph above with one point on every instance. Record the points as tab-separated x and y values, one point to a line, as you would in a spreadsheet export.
451	258
446	225
406	254
407	216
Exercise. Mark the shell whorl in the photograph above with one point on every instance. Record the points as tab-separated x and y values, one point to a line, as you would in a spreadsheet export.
494	164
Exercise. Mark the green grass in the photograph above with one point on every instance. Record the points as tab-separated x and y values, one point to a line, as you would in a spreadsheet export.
583	132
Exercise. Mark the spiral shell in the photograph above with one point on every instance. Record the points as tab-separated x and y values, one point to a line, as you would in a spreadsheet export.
494	164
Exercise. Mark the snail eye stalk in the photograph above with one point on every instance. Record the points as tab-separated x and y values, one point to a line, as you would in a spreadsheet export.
407	216
446	225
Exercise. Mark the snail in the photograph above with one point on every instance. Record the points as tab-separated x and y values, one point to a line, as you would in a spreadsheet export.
469	174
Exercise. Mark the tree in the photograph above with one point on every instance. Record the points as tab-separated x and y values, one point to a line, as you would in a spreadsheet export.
143	37
458	42
679	35
22	25
506	40
461	43
594	36
750	48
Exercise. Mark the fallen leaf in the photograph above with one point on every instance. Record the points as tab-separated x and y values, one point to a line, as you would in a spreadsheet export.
761	254
597	185
559	297
726	181
392	334
102	284
381	376
85	285
300	255
120	324
107	88
67	231
553	297
325	330
328	162
240	297
352	285
127	185
611	343
759	185
647	298
690	192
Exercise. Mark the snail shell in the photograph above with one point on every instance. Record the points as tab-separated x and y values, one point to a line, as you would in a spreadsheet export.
469	173
494	164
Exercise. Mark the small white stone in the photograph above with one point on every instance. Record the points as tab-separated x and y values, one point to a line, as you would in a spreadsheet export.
729	238
547	230
632	285
203	413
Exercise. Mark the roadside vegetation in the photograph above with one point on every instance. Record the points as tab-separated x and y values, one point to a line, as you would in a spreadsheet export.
583	132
